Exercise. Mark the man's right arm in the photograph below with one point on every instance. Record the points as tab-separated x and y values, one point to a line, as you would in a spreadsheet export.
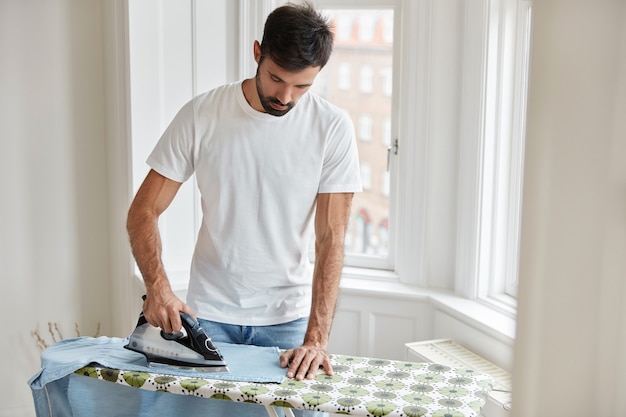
161	307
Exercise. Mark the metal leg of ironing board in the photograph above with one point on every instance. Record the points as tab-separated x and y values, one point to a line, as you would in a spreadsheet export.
272	413
270	410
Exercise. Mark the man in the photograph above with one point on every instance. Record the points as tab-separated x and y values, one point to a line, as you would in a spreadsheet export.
273	162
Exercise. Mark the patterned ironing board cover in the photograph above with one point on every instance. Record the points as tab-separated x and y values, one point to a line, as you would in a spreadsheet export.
360	386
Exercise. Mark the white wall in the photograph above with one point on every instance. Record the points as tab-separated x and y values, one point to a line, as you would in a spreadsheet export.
54	227
571	343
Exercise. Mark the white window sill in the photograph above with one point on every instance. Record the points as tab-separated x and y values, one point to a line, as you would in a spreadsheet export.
489	320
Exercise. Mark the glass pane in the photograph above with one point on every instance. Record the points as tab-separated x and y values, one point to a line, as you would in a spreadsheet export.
358	78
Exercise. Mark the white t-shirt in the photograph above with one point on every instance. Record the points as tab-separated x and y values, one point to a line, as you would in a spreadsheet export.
258	176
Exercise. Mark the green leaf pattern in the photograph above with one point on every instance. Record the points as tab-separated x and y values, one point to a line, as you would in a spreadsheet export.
136	379
110	375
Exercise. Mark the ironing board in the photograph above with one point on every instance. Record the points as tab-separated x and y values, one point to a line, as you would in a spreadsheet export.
360	386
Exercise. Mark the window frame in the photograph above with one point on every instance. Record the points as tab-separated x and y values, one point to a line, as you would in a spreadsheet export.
363	265
478	274
494	113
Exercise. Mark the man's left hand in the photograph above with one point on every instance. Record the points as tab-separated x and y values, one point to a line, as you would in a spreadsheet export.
304	361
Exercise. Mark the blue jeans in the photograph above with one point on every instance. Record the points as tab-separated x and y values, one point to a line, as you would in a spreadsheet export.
284	336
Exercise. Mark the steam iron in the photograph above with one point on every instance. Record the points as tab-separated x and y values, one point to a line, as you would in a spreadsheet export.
190	349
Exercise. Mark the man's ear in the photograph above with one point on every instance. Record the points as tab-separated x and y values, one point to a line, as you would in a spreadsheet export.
257	51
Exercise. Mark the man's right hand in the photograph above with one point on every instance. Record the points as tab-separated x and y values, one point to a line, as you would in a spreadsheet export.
162	309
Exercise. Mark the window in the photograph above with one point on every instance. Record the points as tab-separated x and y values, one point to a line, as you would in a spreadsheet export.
439	210
386	131
503	145
387	81
385	192
370	49
388	28
366	79
367	21
366	178
365	127
343	82
494	112
344	27
491	88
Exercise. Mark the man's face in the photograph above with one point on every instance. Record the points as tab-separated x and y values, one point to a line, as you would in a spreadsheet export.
279	90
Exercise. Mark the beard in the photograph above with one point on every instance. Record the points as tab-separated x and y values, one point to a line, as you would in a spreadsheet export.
267	102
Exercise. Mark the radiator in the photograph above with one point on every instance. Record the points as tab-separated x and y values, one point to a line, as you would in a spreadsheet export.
446	352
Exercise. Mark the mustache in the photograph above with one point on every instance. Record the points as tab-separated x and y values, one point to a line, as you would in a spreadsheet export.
280	103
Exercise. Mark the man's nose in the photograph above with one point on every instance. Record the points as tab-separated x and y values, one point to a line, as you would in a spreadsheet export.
284	95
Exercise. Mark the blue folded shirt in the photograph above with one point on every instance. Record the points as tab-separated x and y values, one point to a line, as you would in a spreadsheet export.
245	362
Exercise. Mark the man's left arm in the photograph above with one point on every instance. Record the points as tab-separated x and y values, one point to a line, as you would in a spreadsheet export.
331	219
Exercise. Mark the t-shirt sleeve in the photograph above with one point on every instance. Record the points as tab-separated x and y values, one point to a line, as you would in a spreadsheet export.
341	170
172	156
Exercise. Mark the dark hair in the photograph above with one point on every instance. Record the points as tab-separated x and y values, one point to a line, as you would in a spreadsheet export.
296	37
